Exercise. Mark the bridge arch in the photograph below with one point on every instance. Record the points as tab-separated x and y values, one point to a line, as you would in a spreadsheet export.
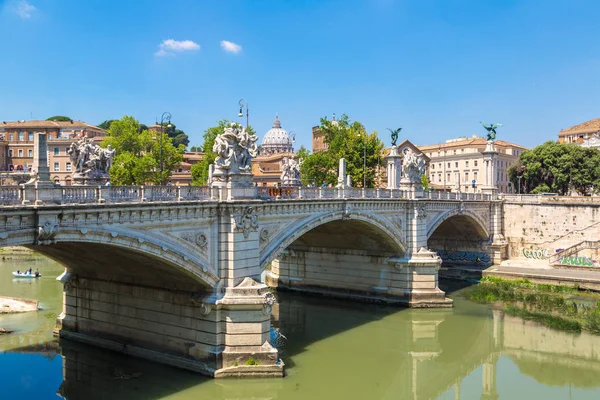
469	217
121	254
296	230
460	237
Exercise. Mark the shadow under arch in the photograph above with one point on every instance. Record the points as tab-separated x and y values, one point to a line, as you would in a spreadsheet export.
373	224
468	217
124	256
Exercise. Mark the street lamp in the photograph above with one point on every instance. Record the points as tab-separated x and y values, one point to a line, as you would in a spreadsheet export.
241	114
364	160
293	137
166	116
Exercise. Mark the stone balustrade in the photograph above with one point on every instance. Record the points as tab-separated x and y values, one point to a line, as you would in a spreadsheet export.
12	195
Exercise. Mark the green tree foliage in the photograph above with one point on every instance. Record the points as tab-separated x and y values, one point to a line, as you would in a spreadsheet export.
425	181
554	167
347	140
196	149
200	170
106	124
178	136
137	161
60	118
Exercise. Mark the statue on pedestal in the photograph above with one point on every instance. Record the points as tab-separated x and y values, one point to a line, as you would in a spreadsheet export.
290	172
235	148
395	134
92	162
413	166
491	135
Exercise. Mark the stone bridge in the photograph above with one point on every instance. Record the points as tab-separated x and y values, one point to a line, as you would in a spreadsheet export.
173	274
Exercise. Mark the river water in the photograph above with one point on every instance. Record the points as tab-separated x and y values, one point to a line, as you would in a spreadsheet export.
332	349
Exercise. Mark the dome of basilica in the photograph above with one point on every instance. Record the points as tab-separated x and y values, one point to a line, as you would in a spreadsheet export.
276	140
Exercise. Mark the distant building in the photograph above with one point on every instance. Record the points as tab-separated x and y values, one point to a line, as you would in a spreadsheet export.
18	146
276	145
586	134
460	162
182	175
318	137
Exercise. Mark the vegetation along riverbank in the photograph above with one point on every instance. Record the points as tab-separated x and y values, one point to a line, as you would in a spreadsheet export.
559	307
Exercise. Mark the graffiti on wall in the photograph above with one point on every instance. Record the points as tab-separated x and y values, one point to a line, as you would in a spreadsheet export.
578	261
536	253
469	256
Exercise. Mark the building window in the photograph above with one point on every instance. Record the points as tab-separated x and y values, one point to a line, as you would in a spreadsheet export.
448	165
475	175
21	136
440	165
66	151
10	137
456	164
454	151
68	166
56	166
466	177
440	178
475	163
30	136
462	150
20	152
448	178
56	151
30	153
432	166
10	152
467	164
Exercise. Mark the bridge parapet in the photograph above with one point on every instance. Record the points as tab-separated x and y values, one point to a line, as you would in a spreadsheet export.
13	195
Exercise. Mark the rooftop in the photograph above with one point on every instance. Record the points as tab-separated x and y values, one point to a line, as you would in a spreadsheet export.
462	142
591	126
46	124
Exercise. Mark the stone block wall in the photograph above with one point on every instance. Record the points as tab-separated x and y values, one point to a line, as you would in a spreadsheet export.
549	226
349	273
111	314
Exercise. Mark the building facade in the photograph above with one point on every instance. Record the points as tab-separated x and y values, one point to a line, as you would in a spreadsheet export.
586	134
19	144
182	175
458	164
318	137
276	146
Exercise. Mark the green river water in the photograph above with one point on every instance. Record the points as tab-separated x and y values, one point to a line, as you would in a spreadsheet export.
334	350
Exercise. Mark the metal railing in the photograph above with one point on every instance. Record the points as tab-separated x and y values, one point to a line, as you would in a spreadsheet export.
10	195
586	244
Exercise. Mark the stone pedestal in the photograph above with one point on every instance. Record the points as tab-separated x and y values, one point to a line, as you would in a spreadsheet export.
245	323
394	168
341	182
234	186
490	156
90	179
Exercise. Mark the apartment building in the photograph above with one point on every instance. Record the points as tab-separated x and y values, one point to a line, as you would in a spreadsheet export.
458	164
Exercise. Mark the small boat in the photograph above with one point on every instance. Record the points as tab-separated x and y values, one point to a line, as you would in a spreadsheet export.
25	275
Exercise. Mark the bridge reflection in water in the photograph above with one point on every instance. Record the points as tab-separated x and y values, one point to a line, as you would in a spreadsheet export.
339	349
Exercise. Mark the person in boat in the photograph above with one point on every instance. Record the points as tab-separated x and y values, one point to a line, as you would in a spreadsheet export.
18	271
37	273
29	272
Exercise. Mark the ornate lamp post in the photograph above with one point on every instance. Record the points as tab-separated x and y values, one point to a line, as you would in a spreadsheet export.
166	116
241	114
364	159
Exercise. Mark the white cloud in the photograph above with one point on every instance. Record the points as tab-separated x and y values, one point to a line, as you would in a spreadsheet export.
230	47
23	9
169	46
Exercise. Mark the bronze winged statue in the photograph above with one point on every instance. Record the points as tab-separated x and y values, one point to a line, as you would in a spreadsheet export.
491	135
394	133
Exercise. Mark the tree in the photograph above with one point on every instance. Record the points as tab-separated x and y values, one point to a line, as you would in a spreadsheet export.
347	140
138	154
178	136
557	167
425	181
200	170
106	124
60	118
196	149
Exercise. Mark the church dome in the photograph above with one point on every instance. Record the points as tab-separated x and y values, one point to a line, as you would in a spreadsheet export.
276	140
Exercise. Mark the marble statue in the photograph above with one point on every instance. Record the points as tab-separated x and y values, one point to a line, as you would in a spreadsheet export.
290	172
491	135
235	148
413	166
89	158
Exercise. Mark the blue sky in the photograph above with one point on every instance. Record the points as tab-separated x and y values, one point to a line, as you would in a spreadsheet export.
434	67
